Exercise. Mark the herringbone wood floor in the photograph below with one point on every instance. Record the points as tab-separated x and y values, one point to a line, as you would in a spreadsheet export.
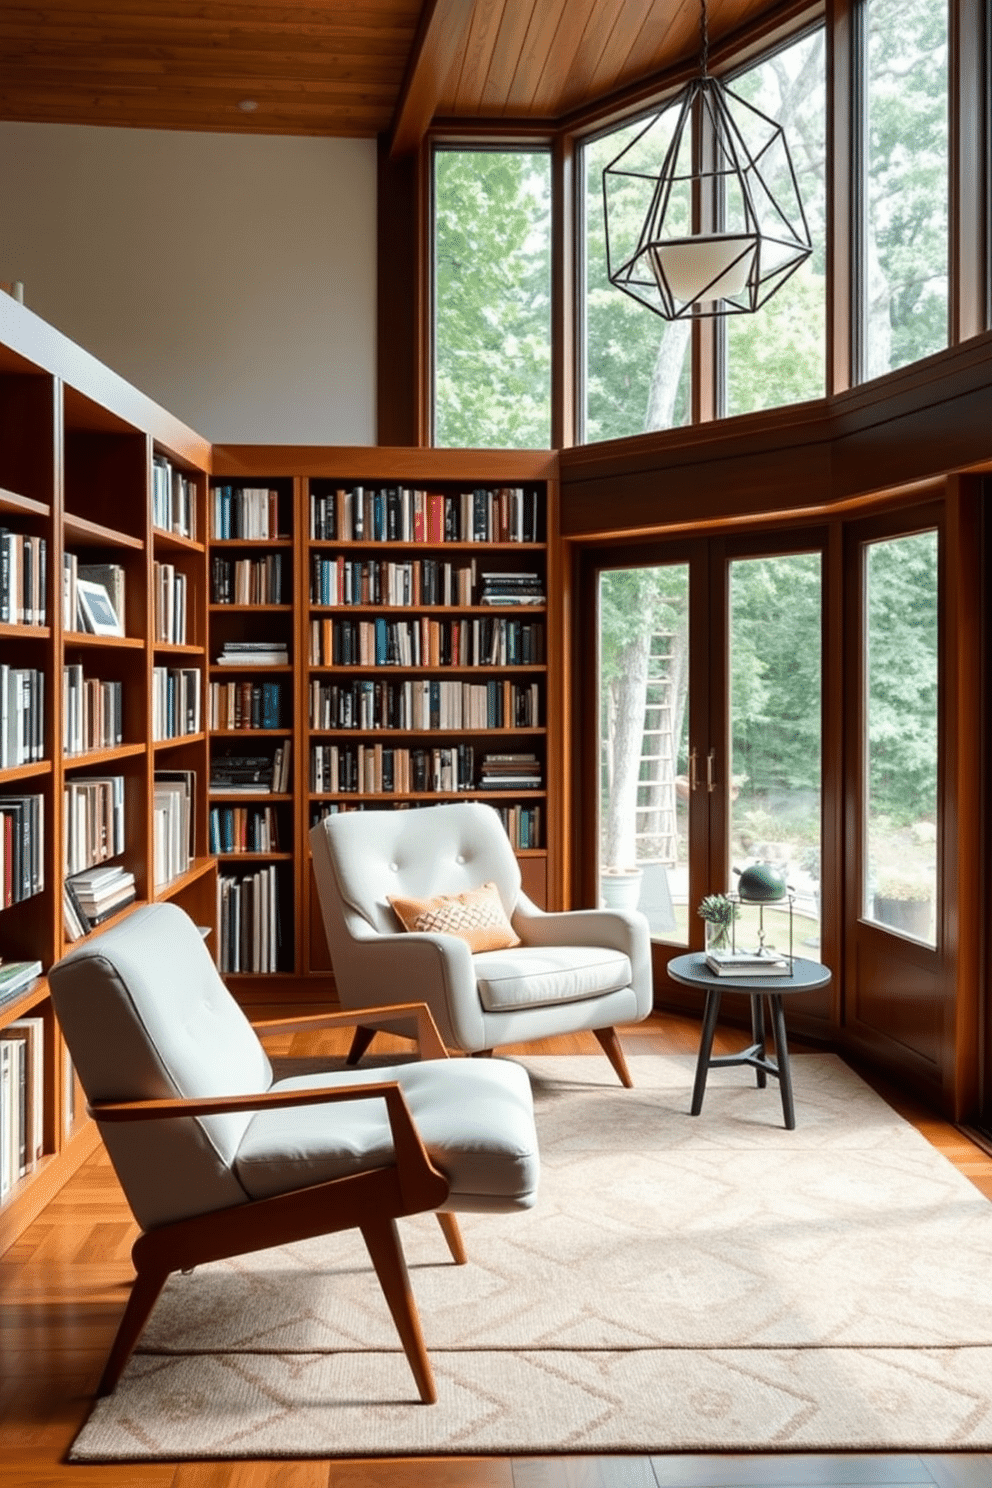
63	1286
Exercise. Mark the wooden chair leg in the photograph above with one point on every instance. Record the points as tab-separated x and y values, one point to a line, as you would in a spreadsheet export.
359	1044
453	1235
144	1294
383	1241
610	1045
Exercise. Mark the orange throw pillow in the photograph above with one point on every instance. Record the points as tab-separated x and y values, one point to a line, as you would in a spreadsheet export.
477	916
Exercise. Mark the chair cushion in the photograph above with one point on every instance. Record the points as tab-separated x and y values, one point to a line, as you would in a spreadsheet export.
475	1118
476	916
536	976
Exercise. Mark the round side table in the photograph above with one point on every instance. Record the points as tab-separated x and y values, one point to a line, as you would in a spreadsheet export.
692	971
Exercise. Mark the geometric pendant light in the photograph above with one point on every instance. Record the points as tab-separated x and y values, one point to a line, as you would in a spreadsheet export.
718	226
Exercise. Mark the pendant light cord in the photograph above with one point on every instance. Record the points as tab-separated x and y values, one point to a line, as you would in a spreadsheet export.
704	38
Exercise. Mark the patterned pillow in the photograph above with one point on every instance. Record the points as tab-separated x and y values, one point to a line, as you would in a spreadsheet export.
477	916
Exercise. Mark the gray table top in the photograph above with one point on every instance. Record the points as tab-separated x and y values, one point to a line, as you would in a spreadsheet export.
691	970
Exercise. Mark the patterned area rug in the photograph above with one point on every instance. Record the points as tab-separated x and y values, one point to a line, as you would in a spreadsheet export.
684	1284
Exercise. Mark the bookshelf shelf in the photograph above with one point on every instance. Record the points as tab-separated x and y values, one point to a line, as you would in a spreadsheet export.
32	997
84	533
24	632
85	641
251	609
172	648
177	542
285	543
255	797
175	886
178	742
25	772
12	502
91	757
217	670
255	857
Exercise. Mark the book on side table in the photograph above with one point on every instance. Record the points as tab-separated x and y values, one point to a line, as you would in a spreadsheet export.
748	963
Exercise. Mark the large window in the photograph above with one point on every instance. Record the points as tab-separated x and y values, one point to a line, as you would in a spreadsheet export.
904	249
900	772
637	369
778	355
492	298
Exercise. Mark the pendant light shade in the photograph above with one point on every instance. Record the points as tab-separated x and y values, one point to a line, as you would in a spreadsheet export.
703	212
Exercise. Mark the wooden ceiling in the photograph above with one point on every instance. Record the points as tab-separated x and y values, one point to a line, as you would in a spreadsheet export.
335	67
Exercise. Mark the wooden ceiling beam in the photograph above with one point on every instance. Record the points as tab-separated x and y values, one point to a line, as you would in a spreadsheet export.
441	35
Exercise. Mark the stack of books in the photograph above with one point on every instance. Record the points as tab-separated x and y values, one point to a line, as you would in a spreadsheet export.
748	964
255	774
254	654
510	772
98	893
511	589
16	977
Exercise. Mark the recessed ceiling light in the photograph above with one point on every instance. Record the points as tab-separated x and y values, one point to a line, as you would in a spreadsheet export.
248	105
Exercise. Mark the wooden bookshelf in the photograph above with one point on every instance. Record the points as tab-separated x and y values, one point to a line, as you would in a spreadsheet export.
298	475
77	446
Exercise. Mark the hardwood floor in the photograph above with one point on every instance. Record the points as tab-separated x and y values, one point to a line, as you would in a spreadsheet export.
64	1283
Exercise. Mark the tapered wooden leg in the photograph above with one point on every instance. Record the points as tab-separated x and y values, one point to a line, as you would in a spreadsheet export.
144	1295
363	1037
610	1045
453	1235
383	1241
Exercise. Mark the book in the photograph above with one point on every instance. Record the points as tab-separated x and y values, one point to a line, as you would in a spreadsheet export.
748	963
16	977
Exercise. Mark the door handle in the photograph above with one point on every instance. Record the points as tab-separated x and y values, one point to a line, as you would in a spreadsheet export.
693	770
711	770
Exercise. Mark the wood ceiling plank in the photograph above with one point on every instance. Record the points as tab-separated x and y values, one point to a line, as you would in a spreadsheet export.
538	42
513	29
465	91
438	46
558	76
630	16
235	70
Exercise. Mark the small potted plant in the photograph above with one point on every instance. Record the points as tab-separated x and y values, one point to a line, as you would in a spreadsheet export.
718	914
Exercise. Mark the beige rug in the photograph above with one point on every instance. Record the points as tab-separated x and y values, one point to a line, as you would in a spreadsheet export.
710	1283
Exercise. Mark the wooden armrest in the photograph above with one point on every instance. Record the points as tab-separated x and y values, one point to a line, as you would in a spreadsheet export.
171	1107
429	1040
418	1177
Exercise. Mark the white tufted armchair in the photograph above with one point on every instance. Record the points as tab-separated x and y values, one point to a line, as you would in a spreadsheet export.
587	969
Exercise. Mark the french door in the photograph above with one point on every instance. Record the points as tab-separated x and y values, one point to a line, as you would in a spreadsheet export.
708	733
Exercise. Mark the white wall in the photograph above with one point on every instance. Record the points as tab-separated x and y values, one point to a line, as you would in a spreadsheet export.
229	277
